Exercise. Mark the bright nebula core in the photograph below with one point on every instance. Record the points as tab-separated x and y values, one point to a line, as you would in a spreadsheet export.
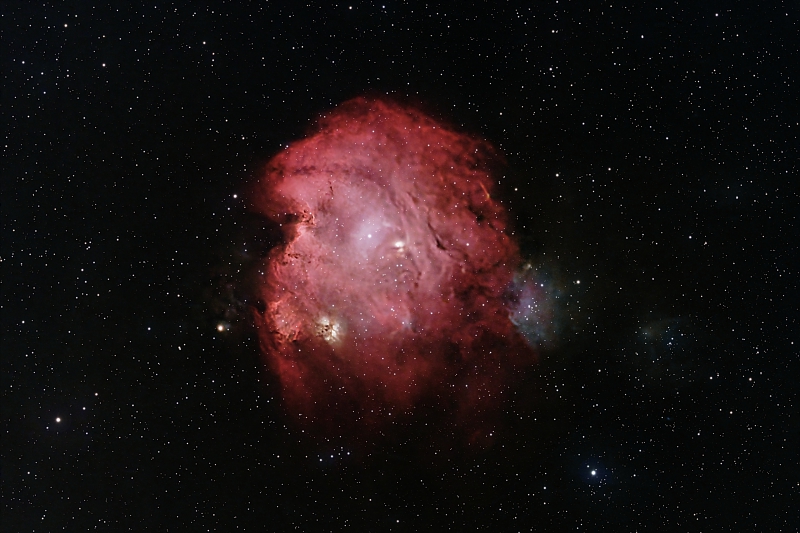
396	284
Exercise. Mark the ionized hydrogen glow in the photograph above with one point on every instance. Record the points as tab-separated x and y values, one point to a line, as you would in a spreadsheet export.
391	286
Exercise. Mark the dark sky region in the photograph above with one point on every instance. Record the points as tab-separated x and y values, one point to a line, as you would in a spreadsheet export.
648	163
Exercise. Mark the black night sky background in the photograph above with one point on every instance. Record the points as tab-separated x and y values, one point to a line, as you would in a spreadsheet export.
652	156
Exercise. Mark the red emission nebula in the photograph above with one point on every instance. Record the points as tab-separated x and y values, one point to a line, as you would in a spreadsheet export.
390	291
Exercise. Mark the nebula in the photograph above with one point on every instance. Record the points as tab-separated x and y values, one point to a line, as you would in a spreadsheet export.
391	287
531	307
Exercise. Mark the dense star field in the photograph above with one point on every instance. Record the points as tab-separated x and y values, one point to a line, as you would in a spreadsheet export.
400	266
